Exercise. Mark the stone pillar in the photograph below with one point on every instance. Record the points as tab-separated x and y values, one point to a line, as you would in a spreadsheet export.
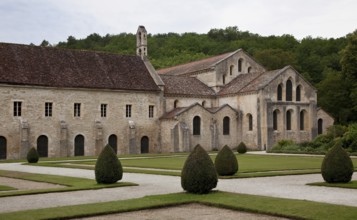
98	137
175	138
132	138
64	149
313	119
214	134
185	137
270	129
25	143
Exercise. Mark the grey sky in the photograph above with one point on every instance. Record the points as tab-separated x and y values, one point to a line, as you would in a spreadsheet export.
31	21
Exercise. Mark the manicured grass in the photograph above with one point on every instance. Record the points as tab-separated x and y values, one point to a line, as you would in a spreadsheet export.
249	165
6	188
350	185
71	183
297	209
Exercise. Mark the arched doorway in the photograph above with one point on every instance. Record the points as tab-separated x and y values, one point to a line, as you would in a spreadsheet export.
3	147
42	146
144	145
113	142
79	145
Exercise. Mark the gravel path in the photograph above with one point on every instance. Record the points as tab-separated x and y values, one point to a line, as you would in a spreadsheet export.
284	187
26	185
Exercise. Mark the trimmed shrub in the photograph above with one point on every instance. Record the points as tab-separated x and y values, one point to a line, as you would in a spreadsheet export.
108	168
337	166
198	174
242	148
226	162
32	156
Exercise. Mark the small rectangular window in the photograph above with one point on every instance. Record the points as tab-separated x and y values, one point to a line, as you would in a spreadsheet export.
103	110
151	111
128	111
77	109
17	109
48	109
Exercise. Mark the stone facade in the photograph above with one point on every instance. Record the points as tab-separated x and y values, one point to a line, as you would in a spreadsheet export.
69	103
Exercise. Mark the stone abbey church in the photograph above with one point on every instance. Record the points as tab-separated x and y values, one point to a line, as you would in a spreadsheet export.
73	102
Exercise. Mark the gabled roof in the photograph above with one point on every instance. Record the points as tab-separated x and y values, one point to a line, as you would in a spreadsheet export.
54	67
180	85
196	66
238	83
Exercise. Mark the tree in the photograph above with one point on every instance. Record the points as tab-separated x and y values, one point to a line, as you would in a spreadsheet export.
108	168
45	43
32	155
198	173
337	166
226	162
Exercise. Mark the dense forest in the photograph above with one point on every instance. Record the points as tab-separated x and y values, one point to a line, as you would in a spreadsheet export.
329	64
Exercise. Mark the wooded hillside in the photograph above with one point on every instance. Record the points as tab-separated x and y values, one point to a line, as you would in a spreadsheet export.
329	64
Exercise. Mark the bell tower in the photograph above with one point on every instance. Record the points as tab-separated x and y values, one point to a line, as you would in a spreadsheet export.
141	42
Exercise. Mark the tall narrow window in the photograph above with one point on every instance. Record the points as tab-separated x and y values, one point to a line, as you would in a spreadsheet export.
196	125
240	62
103	110
275	120
176	103
302	120
48	109
17	109
280	93
298	93
250	122
319	126
249	69
77	109
151	111
288	120
231	70
289	90
226	125
224	79
203	103
128	111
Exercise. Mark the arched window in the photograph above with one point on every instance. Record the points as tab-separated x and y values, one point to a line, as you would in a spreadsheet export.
203	103
226	125
302	120
288	120
298	93
42	146
320	126
231	70
280	93
3	147
79	145
289	90
176	103
196	125
144	145
250	122
249	69
275	119
113	142
240	62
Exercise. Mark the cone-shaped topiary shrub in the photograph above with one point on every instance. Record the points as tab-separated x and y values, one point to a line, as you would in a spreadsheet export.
226	162
337	166
198	174
242	148
32	155
108	168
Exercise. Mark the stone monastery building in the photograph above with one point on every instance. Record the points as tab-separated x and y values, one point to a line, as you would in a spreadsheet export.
73	102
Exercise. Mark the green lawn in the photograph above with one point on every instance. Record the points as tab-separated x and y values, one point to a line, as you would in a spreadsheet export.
249	165
71	183
6	188
296	209
350	185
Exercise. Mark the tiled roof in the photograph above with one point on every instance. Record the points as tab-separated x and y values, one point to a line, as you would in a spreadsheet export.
181	85
194	66
237	84
261	81
45	66
173	113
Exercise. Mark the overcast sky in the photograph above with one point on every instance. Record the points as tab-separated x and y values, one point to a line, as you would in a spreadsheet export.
31	21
